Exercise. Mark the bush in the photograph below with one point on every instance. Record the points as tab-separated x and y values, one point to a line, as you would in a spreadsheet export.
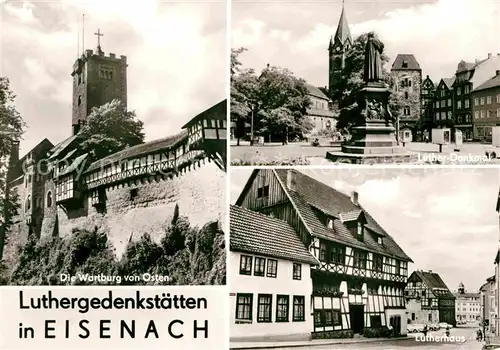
341	334
379	332
187	255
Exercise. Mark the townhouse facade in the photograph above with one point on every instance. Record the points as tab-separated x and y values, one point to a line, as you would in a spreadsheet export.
486	108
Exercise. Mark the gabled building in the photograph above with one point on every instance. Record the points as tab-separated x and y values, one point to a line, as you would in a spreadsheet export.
320	111
407	81
486	107
271	283
427	107
359	281
429	300
468	305
443	105
489	309
338	47
468	77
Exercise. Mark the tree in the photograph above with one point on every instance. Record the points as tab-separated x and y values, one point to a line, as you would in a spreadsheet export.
350	82
110	129
277	101
12	127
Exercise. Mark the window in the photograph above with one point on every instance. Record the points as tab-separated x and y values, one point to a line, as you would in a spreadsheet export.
244	307
398	267
375	321
413	316
337	255
272	268
49	199
466	103
379	240
476	114
406	110
476	102
459	104
330	224
297	271
260	267
406	94
449	102
466	89
264	306
482	114
133	193
245	265
405	64
482	101
378	262
282	308
488	100
488	114
298	308
459	91
498	98
79	100
360	229
263	192
322	251
28	203
359	259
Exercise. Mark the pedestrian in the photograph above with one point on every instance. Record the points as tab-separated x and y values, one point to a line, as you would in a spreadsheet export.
425	330
447	331
479	335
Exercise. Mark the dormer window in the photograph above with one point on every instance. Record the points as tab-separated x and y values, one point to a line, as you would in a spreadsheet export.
263	192
330	223
405	64
360	229
379	240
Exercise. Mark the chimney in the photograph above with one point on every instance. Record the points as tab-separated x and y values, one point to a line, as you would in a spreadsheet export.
489	55
354	198
290	180
497	73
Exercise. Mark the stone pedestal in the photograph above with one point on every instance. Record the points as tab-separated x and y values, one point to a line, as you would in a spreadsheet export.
374	140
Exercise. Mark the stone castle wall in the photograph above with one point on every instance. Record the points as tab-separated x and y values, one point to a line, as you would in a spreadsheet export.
414	91
200	194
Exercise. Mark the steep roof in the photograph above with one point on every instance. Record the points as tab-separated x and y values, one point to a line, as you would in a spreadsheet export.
310	194
61	146
139	150
449	82
343	33
410	61
434	282
488	84
316	92
217	112
253	232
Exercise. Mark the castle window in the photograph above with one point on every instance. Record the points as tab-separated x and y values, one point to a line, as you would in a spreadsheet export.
27	205
79	100
406	110
133	193
406	94
49	199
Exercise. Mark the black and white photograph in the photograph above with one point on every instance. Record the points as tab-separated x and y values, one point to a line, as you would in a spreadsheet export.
365	82
364	258
113	119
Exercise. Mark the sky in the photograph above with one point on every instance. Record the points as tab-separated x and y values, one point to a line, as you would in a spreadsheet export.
176	54
295	33
443	218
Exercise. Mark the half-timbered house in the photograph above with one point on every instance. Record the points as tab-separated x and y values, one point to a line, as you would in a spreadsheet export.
270	279
428	299
360	279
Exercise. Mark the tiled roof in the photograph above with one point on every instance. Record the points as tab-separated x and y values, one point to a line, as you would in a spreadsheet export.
61	146
466	295
316	92
433	281
488	84
411	61
343	33
139	150
449	82
351	215
76	163
310	193
218	112
256	233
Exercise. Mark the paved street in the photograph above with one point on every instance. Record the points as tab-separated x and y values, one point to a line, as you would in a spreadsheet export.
469	334
470	153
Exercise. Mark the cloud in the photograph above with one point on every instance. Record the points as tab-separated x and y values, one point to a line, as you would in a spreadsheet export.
440	34
176	54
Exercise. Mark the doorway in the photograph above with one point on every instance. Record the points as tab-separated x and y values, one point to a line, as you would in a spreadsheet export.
357	317
395	322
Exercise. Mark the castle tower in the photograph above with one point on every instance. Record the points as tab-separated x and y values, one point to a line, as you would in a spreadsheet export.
461	288
340	43
97	80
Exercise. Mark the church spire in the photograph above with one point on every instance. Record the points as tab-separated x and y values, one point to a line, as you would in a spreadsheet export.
343	33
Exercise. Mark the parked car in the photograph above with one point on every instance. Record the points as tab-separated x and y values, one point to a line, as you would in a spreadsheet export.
443	325
434	326
415	328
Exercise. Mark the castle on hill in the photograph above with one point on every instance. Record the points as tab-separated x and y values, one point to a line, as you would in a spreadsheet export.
125	194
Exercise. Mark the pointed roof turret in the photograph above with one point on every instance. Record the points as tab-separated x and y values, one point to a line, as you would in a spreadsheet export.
343	33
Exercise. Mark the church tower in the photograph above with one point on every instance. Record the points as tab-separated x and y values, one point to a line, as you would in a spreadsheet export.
339	45
97	80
